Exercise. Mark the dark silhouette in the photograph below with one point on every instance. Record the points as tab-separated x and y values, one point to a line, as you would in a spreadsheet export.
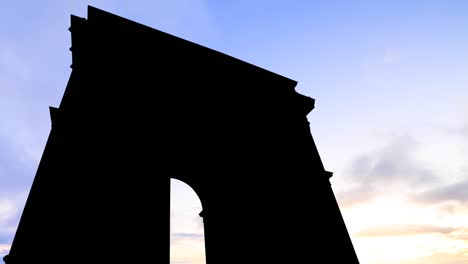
142	107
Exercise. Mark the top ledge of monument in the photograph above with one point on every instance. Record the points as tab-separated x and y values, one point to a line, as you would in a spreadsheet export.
95	15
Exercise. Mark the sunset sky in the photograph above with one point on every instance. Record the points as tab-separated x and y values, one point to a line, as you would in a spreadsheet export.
390	79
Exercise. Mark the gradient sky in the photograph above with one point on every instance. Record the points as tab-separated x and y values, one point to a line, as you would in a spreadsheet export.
390	79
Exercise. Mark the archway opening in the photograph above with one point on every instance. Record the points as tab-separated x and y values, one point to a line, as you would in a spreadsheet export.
186	229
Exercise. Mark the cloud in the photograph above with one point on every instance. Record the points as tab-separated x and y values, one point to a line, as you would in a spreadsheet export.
393	163
188	235
457	192
461	131
391	168
403	230
184	238
440	258
181	261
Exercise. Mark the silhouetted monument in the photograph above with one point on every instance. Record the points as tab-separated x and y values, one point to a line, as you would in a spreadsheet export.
142	107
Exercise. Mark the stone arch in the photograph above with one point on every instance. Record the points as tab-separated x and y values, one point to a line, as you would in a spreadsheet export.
239	131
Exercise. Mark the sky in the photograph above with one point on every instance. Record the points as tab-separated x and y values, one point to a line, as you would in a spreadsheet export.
390	79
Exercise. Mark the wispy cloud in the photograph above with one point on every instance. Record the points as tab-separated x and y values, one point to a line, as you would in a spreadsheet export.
181	261
393	164
457	192
403	230
440	258
188	235
178	239
391	168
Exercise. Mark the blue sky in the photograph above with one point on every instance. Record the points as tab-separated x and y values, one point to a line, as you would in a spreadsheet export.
391	120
